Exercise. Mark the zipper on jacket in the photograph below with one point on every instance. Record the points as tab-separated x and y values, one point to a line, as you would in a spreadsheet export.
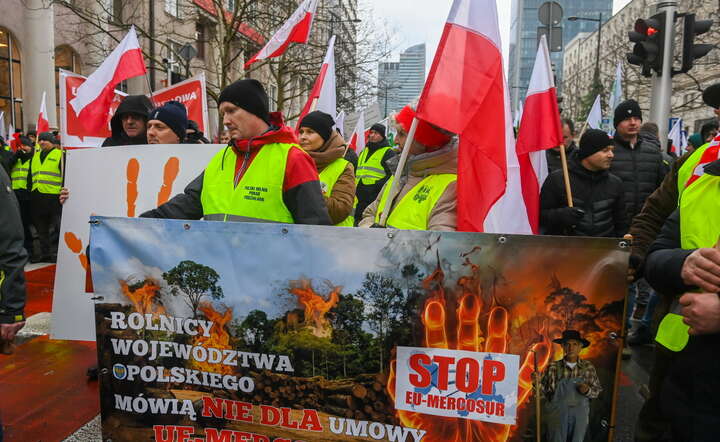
240	172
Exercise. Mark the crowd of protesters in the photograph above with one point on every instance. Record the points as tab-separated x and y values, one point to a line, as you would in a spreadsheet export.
35	165
622	186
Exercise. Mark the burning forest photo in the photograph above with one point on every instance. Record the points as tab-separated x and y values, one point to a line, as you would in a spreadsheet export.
250	328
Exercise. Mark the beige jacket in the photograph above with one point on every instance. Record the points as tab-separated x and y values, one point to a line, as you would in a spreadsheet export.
444	215
340	203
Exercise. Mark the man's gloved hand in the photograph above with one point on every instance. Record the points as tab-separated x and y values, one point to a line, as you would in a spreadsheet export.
570	216
377	226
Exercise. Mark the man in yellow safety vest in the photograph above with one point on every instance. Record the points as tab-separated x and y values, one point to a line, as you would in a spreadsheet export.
685	261
262	175
427	195
372	170
46	181
21	185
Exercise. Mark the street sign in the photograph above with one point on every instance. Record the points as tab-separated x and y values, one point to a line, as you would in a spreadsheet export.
555	41
187	52
550	13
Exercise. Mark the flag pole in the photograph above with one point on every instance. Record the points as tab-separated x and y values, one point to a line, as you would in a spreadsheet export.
150	87
395	188
538	427
566	175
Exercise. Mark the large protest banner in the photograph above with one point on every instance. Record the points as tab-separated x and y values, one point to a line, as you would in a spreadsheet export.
73	134
192	94
271	332
114	181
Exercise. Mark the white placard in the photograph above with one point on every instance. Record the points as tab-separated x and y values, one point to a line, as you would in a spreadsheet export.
457	383
100	182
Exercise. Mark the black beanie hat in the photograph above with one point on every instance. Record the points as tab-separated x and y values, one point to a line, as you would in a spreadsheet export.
26	141
320	122
49	137
249	95
625	110
592	141
379	128
174	114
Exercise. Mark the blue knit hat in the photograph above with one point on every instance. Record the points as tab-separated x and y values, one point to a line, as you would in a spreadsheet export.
174	114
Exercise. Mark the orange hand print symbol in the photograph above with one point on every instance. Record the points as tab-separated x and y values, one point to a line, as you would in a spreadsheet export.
170	172
76	246
132	172
463	330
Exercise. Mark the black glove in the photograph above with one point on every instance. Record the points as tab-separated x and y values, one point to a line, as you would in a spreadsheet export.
569	216
377	226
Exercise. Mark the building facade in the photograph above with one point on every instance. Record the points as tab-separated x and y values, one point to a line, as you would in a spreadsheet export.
399	83
581	56
524	24
81	33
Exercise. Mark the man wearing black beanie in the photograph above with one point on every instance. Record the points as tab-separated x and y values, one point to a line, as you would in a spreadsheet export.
639	165
168	124
598	206
261	176
373	170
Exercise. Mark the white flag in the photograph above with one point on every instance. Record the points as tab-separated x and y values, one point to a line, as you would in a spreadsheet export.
340	123
676	137
594	119
357	139
518	115
3	134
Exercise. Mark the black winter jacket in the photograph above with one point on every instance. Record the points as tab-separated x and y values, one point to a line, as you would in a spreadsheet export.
690	395
598	194
553	157
132	104
12	255
641	169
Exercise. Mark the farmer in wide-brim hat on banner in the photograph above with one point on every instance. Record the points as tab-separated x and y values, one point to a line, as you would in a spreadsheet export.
567	385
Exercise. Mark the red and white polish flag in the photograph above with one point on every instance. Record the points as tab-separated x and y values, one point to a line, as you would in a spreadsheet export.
295	30
357	139
323	96
540	130
93	97
466	93
42	123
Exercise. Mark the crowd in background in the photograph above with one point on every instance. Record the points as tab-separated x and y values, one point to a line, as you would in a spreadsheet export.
622	186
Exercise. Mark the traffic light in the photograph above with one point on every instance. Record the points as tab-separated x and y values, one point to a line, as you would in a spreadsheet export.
692	51
649	39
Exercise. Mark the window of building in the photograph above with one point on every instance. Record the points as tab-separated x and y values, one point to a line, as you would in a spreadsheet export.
200	33
10	80
272	94
65	58
172	7
114	9
174	64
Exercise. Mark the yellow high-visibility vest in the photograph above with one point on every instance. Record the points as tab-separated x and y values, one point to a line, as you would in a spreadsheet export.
19	174
328	177
258	197
699	228
413	211
46	175
370	169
